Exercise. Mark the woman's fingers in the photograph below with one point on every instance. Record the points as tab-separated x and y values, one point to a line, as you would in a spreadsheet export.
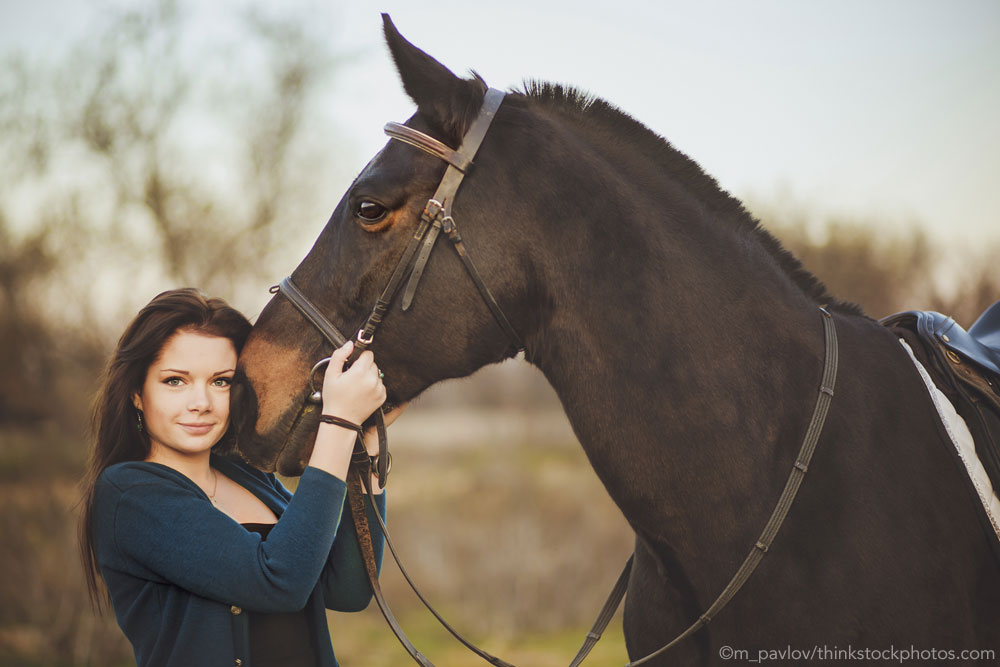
365	370
355	393
338	359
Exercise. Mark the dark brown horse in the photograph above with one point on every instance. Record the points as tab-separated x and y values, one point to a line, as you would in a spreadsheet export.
686	347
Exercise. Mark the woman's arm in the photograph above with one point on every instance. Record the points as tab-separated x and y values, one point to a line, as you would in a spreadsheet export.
164	530
352	395
344	581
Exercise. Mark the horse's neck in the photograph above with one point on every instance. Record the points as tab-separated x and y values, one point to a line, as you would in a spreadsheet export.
684	407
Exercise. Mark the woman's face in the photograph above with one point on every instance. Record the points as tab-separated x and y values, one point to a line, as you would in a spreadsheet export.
185	397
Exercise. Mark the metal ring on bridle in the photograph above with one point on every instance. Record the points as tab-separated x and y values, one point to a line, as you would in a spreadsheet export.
375	460
316	396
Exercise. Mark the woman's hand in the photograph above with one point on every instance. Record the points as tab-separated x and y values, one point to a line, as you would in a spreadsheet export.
355	393
371	433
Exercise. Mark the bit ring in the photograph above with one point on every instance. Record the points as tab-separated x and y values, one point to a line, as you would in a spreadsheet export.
316	396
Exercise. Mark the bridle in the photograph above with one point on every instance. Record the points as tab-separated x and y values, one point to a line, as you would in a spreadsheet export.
436	217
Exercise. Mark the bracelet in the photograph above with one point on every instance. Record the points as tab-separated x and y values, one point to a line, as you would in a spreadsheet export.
338	421
360	455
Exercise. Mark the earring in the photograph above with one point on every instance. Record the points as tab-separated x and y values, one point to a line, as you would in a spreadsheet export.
139	423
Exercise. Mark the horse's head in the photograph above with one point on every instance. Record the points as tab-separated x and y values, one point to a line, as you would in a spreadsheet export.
448	330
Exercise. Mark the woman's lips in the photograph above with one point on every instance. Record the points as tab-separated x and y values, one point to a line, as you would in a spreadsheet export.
197	429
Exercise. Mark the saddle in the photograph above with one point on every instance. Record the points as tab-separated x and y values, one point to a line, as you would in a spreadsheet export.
965	366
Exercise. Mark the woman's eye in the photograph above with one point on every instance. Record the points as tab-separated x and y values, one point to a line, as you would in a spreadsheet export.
174	381
370	211
223	382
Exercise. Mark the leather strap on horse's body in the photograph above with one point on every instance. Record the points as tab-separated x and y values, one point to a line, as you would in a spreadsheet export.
357	476
750	563
753	559
607	612
356	499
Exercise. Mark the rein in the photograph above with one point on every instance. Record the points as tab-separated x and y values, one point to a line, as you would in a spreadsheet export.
436	216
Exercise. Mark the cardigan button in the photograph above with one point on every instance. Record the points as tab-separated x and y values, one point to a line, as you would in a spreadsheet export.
236	610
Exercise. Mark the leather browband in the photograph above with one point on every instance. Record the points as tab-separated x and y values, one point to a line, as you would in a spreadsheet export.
428	144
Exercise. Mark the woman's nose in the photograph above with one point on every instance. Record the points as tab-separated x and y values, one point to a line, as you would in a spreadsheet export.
199	399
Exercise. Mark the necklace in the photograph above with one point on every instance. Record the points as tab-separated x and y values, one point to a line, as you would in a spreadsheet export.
215	487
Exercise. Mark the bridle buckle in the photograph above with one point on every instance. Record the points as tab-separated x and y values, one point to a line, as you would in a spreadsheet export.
432	209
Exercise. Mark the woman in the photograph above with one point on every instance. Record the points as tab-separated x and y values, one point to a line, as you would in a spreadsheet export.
208	561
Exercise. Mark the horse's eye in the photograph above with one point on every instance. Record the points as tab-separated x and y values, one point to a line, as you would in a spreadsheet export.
370	211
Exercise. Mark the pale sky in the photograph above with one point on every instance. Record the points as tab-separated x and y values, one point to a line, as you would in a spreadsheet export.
881	109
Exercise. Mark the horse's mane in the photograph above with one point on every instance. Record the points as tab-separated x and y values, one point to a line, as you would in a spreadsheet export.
686	172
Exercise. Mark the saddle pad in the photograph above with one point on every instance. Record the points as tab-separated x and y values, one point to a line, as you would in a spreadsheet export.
961	438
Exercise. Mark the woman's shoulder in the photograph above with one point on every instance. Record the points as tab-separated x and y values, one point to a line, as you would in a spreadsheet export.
133	484
132	473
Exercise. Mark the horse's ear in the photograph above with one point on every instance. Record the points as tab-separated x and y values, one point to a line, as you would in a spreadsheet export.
446	101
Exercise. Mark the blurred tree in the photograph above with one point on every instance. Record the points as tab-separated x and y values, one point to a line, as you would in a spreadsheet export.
159	156
886	271
146	159
152	155
25	345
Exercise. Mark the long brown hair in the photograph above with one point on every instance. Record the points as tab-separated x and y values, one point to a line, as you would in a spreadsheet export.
114	419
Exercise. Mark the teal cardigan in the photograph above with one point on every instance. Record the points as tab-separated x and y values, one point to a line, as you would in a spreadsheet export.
182	574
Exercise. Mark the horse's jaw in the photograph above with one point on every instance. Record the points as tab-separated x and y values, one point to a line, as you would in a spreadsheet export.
287	448
276	422
276	427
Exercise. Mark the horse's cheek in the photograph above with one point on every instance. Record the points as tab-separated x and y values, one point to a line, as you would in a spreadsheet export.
277	374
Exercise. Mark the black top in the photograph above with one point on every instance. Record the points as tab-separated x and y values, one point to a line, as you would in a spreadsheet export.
279	639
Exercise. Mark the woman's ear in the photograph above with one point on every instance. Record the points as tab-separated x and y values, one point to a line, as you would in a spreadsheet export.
137	401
